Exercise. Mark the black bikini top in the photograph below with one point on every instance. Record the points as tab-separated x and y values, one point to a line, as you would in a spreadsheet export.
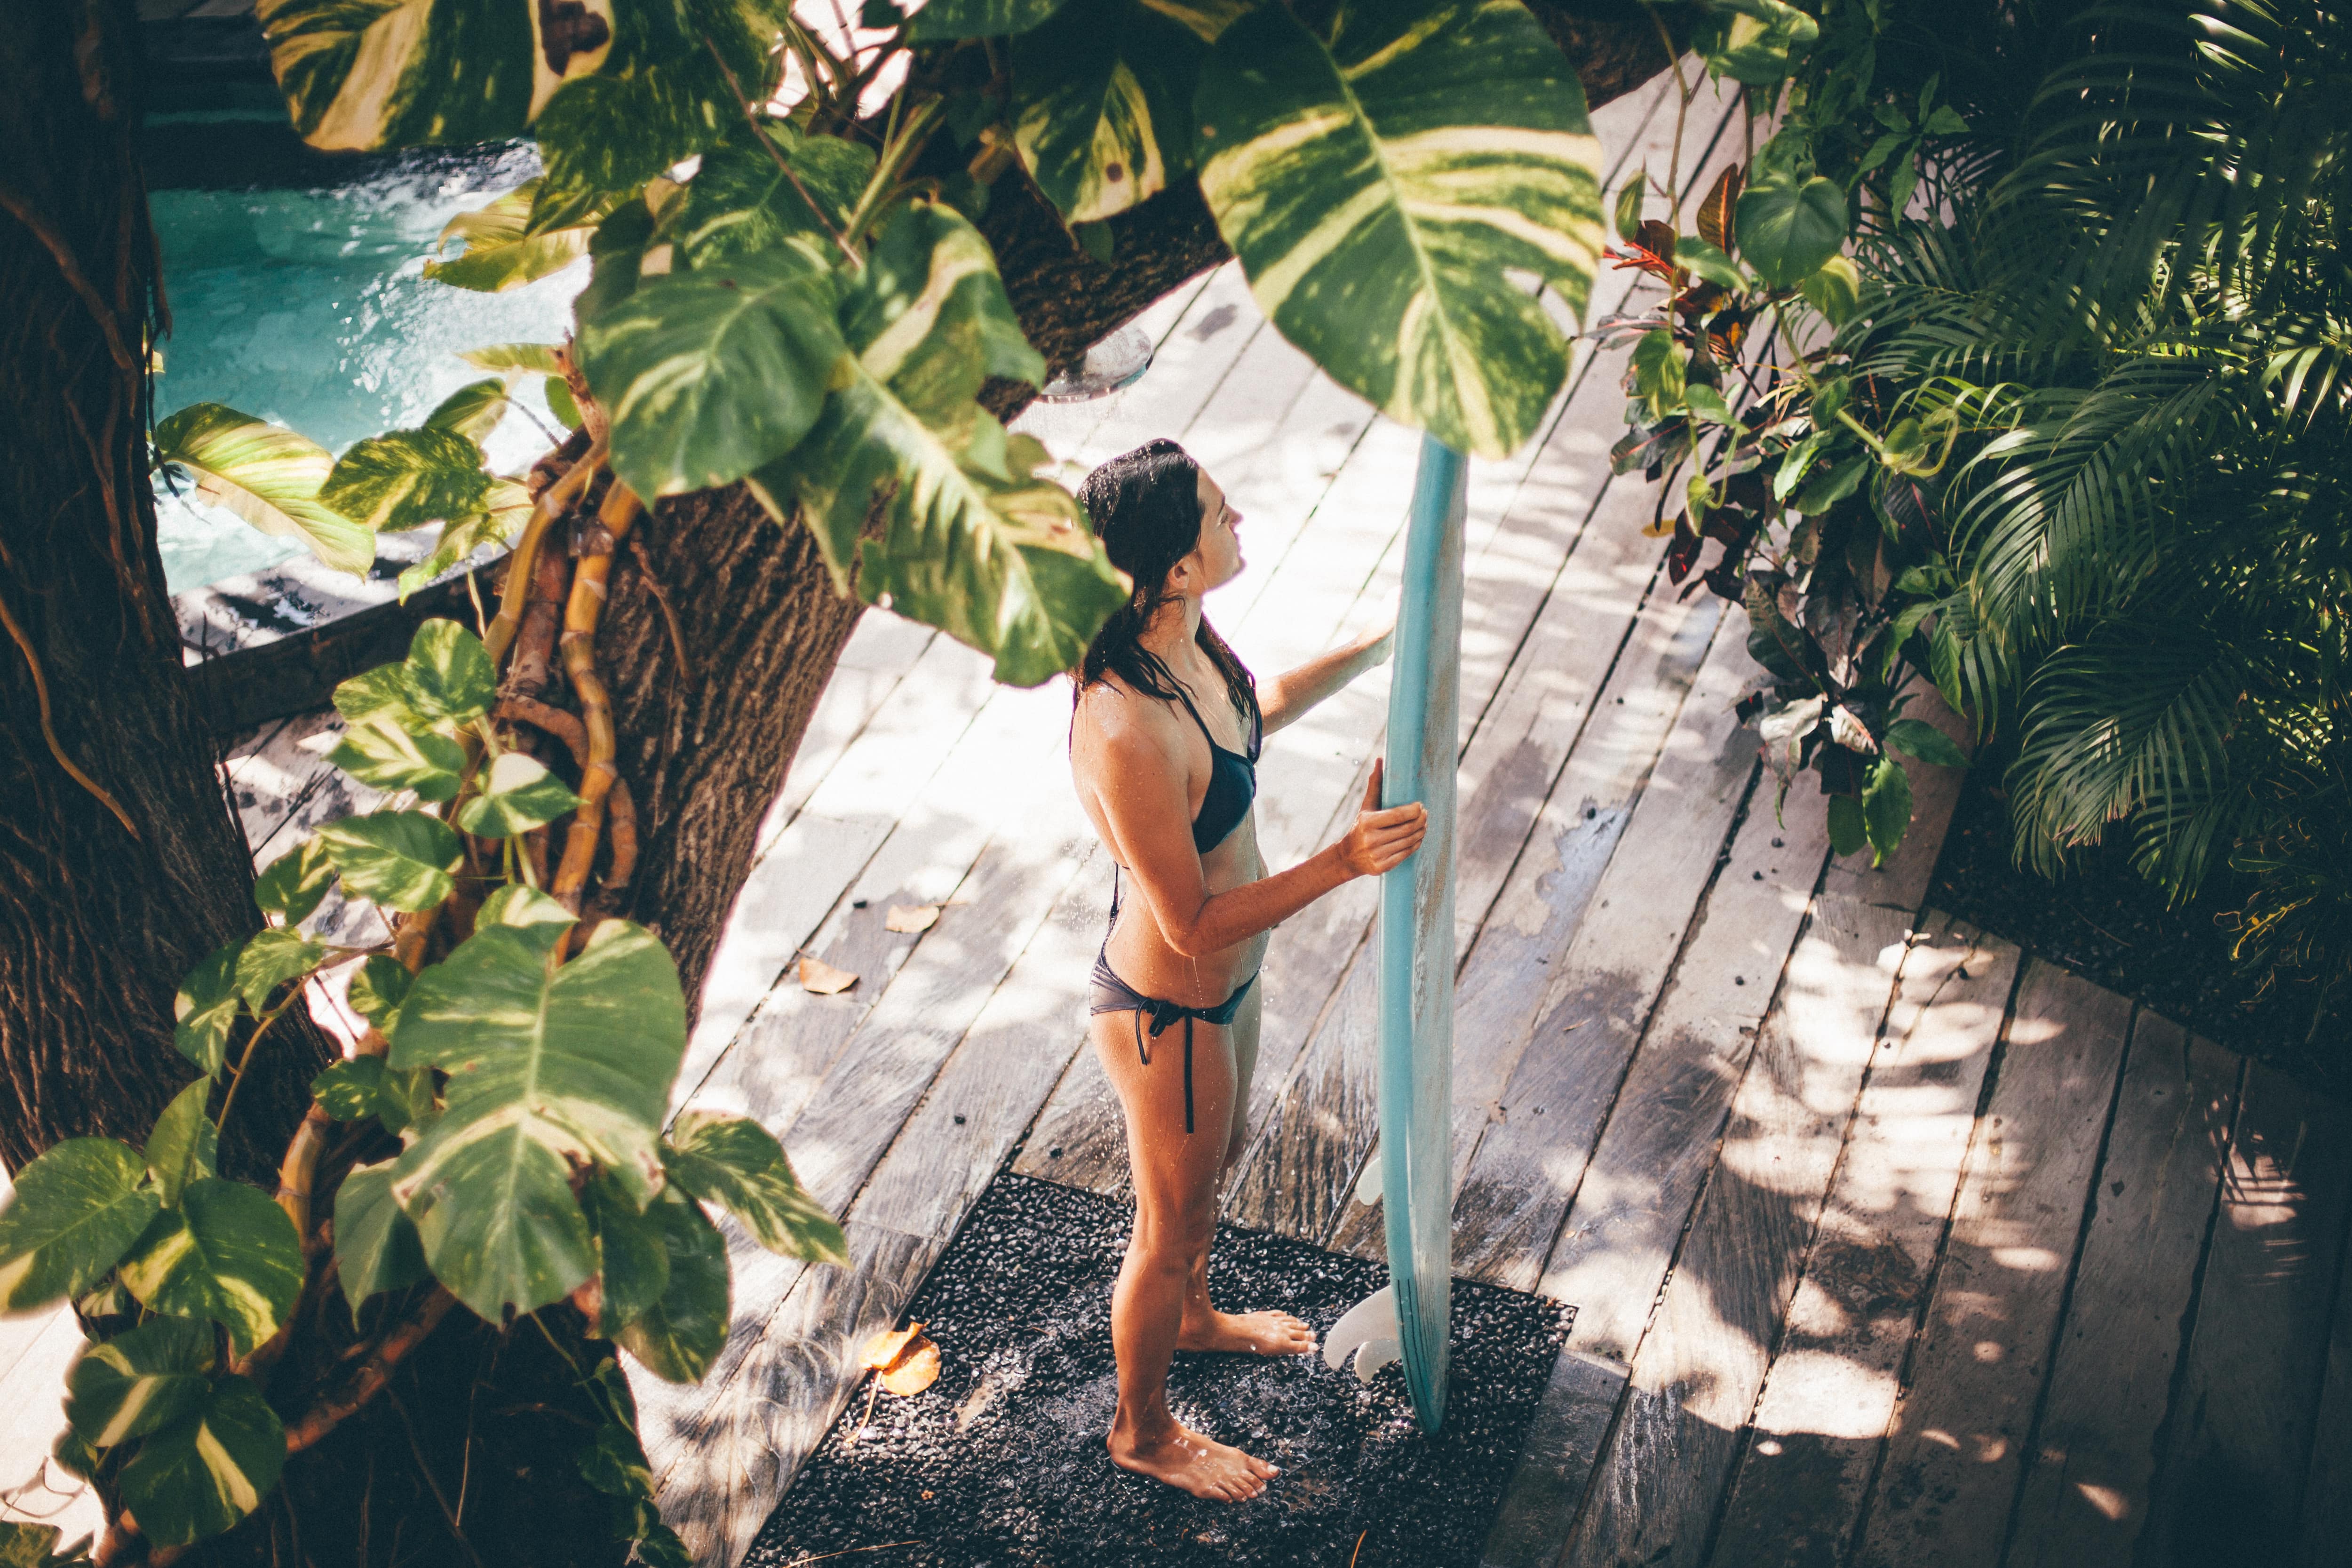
1233	780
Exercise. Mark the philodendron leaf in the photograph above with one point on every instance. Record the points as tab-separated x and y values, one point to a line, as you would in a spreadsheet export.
614	132
501	252
347	1090
200	1474
741	202
270	959
378	693
1885	809
472	410
735	1163
402	860
1380	180
1102	105
944	19
1788	227
381	752
226	1253
206	1008
268	476
376	1248
184	1146
141	1379
520	794
520	904
447	673
682	1334
514	359
710	373
545	1070
508	508
378	986
632	1256
77	1209
975	543
1917	738
407	479
291	885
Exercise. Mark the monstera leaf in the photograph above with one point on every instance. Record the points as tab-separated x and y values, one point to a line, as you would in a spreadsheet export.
400	73
199	1474
226	1253
266	474
1102	105
545	1070
502	251
975	543
77	1209
756	194
711	373
1377	179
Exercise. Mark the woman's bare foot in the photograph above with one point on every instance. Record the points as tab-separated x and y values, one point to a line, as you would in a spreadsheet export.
1190	1462
1245	1334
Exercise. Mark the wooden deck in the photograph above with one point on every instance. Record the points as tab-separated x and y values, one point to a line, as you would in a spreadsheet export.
1888	1244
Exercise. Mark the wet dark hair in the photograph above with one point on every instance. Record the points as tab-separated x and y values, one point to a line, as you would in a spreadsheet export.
1145	506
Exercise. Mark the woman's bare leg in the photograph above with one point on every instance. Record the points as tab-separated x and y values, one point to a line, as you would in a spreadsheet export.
1175	1209
1205	1328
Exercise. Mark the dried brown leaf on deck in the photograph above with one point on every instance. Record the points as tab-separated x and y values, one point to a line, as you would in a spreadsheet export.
910	918
908	1362
822	979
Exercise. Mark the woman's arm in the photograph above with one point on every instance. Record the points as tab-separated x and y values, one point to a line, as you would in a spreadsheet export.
1139	786
1294	691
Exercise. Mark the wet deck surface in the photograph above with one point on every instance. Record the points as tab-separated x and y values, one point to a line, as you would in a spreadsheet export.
1887	1244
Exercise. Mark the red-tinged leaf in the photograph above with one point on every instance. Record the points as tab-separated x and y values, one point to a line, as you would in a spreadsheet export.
1715	213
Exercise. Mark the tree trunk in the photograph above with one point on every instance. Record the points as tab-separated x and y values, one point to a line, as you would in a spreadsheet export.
106	898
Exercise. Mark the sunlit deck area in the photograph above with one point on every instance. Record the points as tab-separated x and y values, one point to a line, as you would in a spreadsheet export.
1887	1244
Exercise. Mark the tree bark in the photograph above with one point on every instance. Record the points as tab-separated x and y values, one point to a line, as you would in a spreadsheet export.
104	903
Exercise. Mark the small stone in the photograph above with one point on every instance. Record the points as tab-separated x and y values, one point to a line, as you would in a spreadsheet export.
1759	876
857	903
959	1122
1739	980
1053	1153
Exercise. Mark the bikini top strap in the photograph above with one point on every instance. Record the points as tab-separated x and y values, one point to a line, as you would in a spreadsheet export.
1178	687
1257	724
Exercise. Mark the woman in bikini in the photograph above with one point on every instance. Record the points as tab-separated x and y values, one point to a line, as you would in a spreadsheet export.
1164	745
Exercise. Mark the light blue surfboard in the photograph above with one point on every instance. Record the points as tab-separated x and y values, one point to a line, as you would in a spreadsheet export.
1416	933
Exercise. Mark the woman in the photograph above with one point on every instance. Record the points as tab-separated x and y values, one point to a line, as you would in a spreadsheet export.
1164	745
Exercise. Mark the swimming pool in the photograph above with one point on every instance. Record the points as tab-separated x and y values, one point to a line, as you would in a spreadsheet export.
298	294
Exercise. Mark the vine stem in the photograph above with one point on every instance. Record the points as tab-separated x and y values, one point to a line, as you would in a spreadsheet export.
553	502
238	1078
907	142
590	580
373	1373
48	729
752	118
60	251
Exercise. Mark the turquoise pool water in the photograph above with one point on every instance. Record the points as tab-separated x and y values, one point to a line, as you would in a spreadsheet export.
309	307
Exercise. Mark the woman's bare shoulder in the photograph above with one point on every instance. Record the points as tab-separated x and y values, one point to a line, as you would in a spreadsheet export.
1117	721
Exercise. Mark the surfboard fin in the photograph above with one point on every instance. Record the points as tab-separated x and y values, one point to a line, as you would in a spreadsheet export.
1368	1181
1369	1331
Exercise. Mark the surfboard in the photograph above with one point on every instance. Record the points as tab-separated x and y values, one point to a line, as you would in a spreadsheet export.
1416	933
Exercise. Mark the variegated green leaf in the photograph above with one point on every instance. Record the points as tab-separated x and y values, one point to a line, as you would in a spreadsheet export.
1207	18
347	1090
545	1069
632	1256
512	359
271	958
226	1253
735	1163
407	479
400	73
742	202
472	410
447	673
291	885
76	1210
206	1008
267	474
976	543
380	751
520	904
401	860
682	1334
941	20
518	794
1380	181
376	1248
612	133
183	1145
378	986
500	250
1102	105
201	1473
143	1378
1752	41
508	508
708	374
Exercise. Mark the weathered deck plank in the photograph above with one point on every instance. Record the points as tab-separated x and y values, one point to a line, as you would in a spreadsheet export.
2327	1489
2229	1487
1832	1387
1948	1480
2085	1496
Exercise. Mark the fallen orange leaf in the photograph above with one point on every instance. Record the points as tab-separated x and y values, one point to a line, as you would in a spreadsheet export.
911	918
913	1371
885	1347
822	979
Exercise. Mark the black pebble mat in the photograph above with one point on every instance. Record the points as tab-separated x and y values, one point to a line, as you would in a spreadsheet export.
1001	1462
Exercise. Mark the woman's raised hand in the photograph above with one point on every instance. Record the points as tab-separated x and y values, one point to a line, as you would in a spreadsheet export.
1381	839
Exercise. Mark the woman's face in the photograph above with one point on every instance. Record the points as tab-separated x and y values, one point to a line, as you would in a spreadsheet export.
1218	557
